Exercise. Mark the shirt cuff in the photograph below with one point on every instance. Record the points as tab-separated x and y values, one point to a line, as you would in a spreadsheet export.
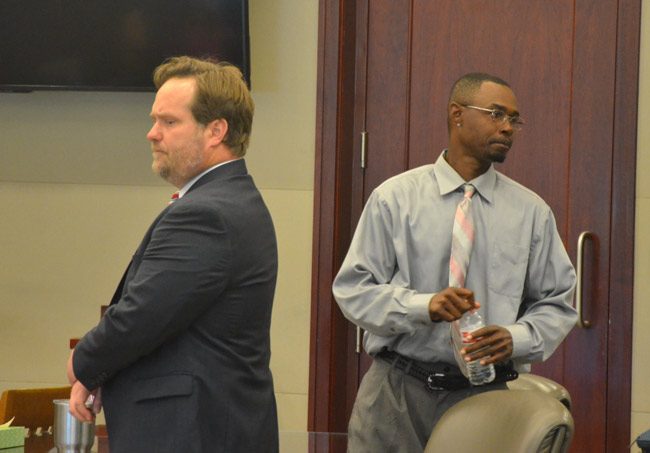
521	340
419	308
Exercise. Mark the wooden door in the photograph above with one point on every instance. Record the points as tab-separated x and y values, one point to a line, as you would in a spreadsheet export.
572	66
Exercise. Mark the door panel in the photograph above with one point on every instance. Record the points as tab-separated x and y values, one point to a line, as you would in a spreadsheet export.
518	44
592	126
387	88
462	38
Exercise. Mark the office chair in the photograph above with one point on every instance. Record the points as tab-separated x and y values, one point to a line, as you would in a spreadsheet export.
32	408
504	421
534	382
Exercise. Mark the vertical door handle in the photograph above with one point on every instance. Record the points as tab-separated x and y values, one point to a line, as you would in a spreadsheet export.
583	323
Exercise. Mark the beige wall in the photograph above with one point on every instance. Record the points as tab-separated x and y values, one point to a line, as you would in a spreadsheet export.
77	194
641	332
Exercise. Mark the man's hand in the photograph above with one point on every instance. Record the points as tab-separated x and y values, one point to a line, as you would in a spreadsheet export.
78	397
450	304
493	344
80	393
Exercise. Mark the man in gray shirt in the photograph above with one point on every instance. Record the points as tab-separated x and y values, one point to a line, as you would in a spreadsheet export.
394	280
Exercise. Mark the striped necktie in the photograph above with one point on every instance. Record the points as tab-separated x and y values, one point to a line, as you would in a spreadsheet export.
462	240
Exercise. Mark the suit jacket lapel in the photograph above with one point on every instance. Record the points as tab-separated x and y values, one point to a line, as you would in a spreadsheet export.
126	277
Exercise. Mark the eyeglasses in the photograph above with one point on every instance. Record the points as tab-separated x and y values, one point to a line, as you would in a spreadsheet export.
499	116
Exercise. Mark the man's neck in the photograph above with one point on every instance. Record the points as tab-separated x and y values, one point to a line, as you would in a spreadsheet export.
183	189
466	166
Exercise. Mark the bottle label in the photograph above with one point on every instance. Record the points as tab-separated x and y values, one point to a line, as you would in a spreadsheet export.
467	338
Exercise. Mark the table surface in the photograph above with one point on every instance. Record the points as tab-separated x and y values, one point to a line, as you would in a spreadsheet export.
290	442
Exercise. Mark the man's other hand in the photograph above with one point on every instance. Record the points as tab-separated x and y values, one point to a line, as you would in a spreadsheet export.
450	304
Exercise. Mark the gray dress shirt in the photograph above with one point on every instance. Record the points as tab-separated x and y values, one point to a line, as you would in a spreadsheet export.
399	258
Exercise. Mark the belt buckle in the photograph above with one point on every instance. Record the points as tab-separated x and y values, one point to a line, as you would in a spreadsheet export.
433	379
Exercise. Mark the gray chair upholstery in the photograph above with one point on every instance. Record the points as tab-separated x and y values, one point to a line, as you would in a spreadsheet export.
535	382
504	421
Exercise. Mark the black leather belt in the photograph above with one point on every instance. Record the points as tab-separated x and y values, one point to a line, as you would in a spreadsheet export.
441	376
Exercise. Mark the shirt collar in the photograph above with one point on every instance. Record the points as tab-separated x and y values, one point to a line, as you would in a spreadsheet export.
189	185
449	180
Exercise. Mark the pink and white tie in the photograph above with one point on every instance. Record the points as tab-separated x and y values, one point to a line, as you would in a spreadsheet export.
462	240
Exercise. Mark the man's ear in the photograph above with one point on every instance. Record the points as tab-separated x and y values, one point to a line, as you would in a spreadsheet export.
217	131
455	112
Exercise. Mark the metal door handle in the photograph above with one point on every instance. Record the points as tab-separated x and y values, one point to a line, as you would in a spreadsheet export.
583	323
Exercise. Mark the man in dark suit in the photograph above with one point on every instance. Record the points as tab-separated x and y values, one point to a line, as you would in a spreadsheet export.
182	353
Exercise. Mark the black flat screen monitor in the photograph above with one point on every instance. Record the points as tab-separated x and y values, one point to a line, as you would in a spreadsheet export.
113	45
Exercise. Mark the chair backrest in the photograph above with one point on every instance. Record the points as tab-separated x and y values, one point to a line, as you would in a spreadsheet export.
534	382
504	421
31	408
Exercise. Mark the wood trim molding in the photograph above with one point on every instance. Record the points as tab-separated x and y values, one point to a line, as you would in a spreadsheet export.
621	288
331	234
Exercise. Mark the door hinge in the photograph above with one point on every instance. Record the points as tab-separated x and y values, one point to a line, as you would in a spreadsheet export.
357	346
364	147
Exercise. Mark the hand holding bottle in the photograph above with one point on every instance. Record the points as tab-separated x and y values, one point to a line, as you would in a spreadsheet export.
492	344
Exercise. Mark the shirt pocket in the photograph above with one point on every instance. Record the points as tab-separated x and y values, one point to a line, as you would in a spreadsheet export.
507	272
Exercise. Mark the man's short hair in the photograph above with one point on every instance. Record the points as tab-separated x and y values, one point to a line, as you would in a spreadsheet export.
466	87
221	94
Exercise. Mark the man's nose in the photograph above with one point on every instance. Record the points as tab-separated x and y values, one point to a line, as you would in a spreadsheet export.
153	134
506	127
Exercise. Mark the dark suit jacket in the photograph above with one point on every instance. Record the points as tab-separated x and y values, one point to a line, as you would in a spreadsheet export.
182	355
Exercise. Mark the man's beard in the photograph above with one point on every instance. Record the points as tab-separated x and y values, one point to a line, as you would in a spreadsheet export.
179	170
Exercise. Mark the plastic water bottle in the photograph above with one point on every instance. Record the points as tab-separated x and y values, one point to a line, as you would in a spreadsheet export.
476	373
